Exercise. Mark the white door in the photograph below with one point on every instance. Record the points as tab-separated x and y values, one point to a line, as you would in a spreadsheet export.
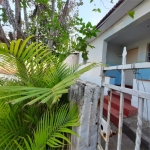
132	56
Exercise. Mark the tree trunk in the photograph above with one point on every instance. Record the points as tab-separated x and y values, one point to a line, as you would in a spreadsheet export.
18	18
9	13
10	16
64	13
26	17
3	36
11	37
50	43
53	9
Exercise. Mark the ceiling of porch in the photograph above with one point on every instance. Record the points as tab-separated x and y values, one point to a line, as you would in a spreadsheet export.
133	33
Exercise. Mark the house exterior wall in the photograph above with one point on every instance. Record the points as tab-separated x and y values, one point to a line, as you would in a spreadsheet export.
142	48
142	56
140	11
72	59
114	53
114	57
98	54
143	86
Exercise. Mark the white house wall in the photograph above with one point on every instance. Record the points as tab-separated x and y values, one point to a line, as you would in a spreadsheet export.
98	54
72	59
95	55
80	61
114	53
93	76
114	57
142	48
143	86
140	11
142	56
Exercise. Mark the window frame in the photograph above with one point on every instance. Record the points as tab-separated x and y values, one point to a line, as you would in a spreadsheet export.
148	53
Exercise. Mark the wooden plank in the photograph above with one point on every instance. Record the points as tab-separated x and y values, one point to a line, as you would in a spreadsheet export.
105	131
143	65
108	121
89	125
136	93
99	147
139	123
101	107
121	101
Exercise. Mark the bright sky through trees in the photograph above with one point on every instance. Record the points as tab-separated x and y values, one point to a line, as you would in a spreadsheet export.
85	11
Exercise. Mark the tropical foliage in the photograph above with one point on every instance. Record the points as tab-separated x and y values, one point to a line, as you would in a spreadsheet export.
54	22
34	114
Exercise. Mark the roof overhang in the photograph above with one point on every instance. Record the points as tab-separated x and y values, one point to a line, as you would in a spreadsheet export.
120	11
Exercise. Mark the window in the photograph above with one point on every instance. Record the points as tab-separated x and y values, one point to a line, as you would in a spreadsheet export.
148	55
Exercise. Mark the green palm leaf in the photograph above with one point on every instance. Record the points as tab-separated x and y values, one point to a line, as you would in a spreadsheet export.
41	80
11	126
34	92
51	128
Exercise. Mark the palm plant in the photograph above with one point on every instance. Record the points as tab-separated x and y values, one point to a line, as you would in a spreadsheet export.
33	113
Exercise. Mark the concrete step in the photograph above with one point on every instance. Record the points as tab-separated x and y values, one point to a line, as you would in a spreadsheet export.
114	114
128	109
130	129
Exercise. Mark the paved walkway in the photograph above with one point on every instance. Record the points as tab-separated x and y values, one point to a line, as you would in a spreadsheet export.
127	144
128	139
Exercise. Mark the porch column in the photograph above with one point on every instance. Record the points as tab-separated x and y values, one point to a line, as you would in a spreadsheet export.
103	56
103	52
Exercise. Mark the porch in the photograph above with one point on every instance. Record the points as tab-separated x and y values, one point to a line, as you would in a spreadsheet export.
137	41
136	38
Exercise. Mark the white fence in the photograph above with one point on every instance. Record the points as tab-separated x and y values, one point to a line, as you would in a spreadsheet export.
141	96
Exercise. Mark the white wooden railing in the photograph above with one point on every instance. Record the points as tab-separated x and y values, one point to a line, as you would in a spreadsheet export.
141	96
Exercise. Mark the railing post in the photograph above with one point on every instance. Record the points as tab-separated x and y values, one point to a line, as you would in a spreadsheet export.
121	101
139	123
102	74
108	121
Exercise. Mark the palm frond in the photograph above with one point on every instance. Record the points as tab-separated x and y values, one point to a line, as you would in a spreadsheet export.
24	55
10	127
51	127
40	79
16	122
43	95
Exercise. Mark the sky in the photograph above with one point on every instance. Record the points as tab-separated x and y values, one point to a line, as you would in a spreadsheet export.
85	11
